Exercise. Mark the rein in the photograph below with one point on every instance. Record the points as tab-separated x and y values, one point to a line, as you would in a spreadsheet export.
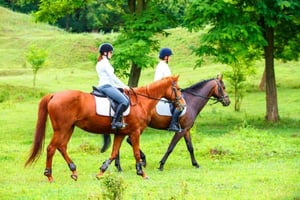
177	98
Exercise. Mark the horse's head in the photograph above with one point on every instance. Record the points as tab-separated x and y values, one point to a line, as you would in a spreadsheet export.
173	92
220	93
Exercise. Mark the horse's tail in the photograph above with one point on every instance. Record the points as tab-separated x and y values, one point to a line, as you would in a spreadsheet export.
39	136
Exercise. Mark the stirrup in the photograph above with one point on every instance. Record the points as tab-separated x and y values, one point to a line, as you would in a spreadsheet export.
174	128
118	125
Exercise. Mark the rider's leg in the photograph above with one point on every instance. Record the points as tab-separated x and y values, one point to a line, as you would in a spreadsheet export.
117	119
122	101
174	126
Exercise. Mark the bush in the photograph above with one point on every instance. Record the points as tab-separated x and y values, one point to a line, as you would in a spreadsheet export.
4	95
113	186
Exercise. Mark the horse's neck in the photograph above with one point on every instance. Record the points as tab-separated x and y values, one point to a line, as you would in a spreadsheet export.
197	102
154	90
150	94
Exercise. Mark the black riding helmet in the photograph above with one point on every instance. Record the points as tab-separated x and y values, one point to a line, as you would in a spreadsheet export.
165	52
105	47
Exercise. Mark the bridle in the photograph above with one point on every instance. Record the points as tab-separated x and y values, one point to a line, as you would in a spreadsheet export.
221	91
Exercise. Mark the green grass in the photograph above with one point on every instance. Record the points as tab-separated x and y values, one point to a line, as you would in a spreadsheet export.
241	155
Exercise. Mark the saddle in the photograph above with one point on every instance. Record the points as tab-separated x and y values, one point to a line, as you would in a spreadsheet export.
104	105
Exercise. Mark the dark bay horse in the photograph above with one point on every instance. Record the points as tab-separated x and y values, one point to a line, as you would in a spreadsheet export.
196	97
75	108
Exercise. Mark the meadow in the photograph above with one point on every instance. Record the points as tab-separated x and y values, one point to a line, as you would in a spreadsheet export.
241	155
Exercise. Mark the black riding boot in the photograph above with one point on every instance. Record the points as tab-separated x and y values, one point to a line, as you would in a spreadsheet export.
174	126
117	119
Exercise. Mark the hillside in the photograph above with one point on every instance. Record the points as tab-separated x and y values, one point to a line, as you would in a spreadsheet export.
71	57
76	51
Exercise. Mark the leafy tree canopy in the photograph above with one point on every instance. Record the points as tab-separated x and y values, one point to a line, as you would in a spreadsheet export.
235	28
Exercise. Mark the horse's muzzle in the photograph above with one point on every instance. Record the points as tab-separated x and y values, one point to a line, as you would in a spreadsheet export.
225	101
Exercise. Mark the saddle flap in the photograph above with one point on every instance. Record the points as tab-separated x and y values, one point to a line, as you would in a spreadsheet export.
104	108
165	108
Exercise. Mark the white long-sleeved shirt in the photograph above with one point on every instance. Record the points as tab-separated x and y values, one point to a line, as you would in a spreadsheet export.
106	74
162	70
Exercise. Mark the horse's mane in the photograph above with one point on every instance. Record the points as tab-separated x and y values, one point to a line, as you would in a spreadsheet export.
158	85
197	85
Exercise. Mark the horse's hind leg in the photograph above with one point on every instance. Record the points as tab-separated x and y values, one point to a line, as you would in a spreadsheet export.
59	142
72	166
50	153
63	150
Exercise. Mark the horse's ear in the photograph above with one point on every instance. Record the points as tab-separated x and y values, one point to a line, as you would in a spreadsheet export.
220	76
176	77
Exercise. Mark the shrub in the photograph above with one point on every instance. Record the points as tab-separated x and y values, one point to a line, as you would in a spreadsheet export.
113	186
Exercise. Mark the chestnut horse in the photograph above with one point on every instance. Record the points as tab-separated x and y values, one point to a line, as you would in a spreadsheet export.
75	108
196	97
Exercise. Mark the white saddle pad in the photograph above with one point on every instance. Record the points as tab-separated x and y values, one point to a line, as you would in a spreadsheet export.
103	107
163	108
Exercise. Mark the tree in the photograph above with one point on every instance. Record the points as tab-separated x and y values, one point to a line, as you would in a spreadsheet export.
52	11
36	57
235	28
136	41
75	16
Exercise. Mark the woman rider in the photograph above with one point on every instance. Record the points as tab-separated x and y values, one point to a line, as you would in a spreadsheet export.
109	84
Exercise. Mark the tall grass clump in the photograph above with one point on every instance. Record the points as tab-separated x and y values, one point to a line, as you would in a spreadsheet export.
113	186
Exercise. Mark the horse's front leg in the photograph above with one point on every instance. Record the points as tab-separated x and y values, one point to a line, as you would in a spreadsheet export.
143	156
117	163
135	141
189	145
116	147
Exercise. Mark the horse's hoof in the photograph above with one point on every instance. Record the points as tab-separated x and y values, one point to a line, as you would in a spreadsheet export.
50	180
146	177
197	166
161	168
99	175
74	177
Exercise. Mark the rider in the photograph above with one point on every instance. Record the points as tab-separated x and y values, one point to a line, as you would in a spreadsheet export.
109	84
163	70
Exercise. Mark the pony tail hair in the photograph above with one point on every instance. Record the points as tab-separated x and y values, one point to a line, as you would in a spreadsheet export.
99	58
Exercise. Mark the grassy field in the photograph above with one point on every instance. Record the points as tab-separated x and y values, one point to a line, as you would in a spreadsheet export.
241	155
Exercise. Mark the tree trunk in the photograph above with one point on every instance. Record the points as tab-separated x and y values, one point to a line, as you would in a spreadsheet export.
271	93
262	85
135	6
67	23
134	77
